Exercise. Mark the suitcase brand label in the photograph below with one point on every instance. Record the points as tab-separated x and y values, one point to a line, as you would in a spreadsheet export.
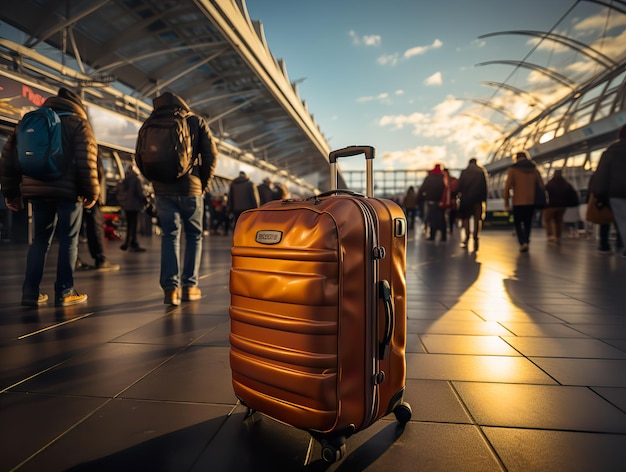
268	236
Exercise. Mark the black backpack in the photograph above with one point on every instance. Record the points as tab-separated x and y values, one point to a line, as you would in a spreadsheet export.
164	151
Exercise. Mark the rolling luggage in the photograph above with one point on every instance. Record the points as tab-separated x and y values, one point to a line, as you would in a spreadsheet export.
318	311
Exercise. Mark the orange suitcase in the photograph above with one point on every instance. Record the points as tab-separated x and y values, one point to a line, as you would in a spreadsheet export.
318	311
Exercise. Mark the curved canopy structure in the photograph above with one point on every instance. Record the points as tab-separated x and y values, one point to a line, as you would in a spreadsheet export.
122	53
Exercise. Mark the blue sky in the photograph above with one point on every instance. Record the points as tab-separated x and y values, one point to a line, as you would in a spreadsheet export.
402	75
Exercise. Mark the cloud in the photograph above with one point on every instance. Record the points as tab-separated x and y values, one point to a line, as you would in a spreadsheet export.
367	40
373	40
419	157
435	79
448	135
382	97
419	50
389	59
599	23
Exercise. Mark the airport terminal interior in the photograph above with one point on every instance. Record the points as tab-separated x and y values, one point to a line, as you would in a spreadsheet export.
515	361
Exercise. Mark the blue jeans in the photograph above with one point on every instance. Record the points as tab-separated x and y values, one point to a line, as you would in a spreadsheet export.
66	217
178	212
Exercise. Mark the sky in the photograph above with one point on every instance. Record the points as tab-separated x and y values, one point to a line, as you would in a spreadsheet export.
407	76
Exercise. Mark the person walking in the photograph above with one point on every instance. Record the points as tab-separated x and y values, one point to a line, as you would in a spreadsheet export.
243	195
561	195
180	206
132	198
410	206
448	202
472	189
94	228
609	180
431	191
523	181
57	205
266	191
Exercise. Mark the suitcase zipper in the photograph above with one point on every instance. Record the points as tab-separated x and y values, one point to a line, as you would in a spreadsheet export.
375	253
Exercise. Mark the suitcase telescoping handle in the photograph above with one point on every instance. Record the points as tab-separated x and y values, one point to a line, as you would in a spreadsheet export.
369	152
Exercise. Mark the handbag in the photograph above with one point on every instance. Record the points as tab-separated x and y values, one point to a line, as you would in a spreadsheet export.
600	216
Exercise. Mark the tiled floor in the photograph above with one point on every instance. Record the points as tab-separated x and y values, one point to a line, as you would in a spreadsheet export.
516	362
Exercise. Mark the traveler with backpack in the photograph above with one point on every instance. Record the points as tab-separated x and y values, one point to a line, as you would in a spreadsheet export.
176	152
60	178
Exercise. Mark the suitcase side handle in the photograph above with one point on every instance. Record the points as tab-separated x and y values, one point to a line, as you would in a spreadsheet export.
369	152
385	294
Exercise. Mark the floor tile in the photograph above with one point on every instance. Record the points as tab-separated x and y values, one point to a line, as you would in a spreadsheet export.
587	372
198	374
103	371
434	401
524	450
135	435
466	344
444	326
564	347
178	330
475	368
28	422
540	407
387	447
552	330
617	396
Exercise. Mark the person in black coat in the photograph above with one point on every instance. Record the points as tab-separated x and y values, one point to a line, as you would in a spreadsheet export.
430	193
472	190
561	194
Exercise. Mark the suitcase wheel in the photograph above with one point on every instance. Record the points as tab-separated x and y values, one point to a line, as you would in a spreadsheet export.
403	412
335	450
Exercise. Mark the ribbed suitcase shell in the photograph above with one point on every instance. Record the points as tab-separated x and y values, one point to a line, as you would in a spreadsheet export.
307	317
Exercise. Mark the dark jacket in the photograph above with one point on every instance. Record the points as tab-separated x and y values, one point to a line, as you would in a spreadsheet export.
432	188
79	145
522	178
130	193
410	199
561	193
610	177
243	195
472	185
266	194
205	150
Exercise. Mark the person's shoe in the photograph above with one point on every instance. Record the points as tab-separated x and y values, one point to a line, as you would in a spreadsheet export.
81	266
191	294
475	244
464	244
137	249
604	250
171	296
40	299
70	297
123	247
106	266
523	248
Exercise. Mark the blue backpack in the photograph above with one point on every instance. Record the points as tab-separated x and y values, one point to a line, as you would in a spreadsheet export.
39	145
